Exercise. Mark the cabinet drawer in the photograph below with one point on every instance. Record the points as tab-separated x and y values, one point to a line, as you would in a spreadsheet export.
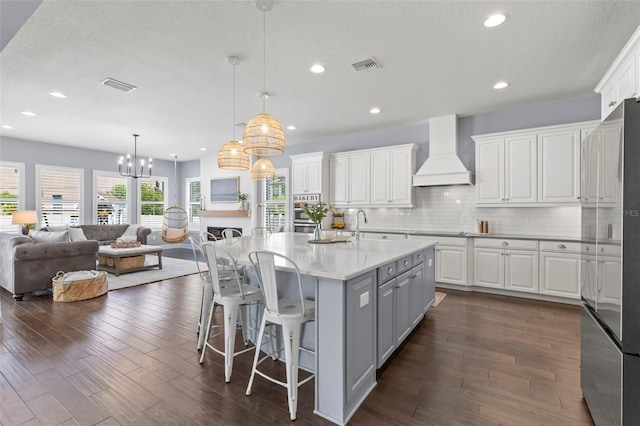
609	250
418	258
506	243
404	264
386	272
560	246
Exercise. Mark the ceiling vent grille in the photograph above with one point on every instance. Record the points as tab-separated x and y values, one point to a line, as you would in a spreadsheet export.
118	85
367	64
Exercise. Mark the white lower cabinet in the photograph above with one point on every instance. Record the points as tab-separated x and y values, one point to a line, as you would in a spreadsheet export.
560	269
513	268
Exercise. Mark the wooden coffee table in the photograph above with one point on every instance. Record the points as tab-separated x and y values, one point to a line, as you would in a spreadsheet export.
117	254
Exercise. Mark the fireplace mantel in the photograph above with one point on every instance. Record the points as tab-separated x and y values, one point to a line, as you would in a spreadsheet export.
225	213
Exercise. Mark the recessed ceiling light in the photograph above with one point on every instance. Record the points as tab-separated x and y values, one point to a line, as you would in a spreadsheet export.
4	126
292	127
317	69
375	110
203	149
58	94
500	85
29	113
172	155
494	20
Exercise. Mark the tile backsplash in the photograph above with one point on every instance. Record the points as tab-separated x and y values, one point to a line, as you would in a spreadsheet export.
453	208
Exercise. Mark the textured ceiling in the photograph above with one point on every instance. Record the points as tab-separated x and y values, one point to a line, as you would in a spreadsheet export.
437	58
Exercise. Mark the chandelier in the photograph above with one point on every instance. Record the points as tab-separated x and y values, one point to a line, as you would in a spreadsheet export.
231	155
263	135
132	164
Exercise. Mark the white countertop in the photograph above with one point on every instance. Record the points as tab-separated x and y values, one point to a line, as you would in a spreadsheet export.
339	261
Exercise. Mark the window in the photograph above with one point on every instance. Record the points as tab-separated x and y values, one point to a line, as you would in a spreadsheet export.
111	198
193	202
11	193
275	196
59	195
153	201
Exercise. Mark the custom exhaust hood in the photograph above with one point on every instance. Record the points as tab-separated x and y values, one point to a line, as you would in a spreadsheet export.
443	167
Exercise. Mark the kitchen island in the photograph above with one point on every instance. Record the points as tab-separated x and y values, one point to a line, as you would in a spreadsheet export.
369	295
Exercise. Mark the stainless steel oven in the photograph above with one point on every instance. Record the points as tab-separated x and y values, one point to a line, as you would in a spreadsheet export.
301	222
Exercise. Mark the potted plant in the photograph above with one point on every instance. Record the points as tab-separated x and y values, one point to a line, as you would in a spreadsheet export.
244	204
316	213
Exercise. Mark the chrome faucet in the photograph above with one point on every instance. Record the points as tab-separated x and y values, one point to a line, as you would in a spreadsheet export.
358	222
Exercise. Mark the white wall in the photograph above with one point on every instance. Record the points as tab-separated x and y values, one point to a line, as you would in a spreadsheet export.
209	170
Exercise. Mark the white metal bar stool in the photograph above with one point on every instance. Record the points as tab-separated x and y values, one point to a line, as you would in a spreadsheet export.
290	313
207	288
232	298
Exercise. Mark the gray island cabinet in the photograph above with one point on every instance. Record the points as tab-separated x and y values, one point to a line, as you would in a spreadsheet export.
369	295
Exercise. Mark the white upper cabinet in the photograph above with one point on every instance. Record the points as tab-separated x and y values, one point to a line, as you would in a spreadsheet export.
622	79
378	177
309	172
350	185
520	169
505	170
559	166
530	167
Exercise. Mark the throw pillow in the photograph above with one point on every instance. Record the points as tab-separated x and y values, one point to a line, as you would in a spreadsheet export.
57	228
77	234
130	234
50	237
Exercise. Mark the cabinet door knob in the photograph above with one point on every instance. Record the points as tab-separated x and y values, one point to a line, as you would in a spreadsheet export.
419	256
612	103
384	237
388	201
577	198
504	243
506	254
406	262
501	254
390	271
587	248
562	246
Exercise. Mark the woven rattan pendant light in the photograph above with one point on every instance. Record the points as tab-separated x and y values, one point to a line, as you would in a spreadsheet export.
232	156
263	135
262	169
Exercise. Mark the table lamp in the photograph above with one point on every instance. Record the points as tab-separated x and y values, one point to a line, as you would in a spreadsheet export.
24	218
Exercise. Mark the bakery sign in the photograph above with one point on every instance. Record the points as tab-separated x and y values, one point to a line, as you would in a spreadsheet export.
306	198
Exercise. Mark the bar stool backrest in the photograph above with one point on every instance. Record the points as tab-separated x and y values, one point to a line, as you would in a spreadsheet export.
216	255
264	262
260	232
207	237
196	248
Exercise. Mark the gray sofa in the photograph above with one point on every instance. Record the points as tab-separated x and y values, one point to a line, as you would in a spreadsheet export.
107	234
27	266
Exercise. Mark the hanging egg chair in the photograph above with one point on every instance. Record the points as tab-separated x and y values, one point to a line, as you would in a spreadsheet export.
175	221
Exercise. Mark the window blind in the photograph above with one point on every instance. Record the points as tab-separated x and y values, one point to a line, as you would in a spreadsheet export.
112	199
193	202
60	196
9	196
153	202
275	196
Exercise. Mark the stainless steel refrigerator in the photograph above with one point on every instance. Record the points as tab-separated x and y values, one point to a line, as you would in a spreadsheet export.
610	268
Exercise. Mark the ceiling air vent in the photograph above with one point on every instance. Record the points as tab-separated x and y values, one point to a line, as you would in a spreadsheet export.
367	64
118	85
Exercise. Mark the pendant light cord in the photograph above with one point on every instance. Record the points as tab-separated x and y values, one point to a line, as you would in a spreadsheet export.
234	102
264	58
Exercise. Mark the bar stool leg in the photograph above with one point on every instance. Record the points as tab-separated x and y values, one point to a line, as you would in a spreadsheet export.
257	354
230	322
212	311
292	354
245	323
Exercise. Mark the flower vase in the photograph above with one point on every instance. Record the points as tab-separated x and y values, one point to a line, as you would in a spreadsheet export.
317	232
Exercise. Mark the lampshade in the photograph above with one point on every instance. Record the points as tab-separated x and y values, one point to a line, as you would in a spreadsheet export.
232	157
24	217
262	169
263	136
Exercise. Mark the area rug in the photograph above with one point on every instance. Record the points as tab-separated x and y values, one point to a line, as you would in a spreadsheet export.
171	268
439	297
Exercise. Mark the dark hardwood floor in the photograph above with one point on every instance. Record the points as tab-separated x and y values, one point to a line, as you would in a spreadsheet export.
129	357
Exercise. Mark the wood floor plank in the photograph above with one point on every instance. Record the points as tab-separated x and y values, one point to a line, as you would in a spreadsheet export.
48	410
130	357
